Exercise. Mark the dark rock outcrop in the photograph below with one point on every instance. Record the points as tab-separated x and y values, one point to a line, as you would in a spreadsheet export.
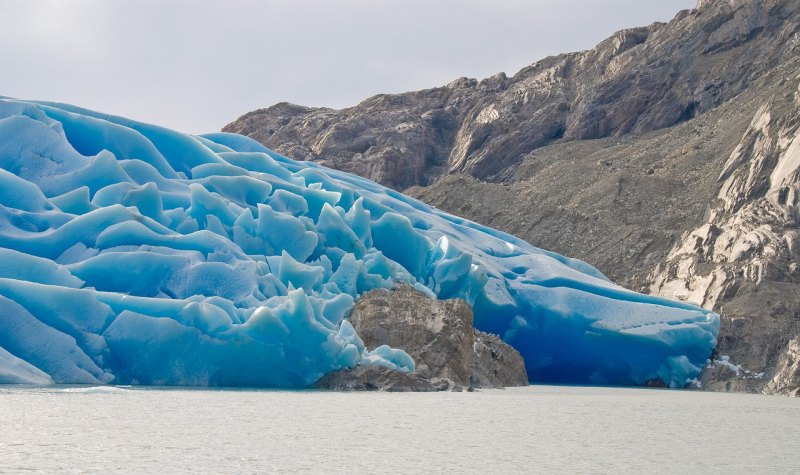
449	353
668	156
373	378
495	364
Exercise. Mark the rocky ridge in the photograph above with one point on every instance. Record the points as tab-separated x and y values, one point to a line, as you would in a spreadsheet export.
667	156
638	80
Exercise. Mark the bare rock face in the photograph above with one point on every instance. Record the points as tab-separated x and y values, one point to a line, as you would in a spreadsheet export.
449	353
495	364
743	258
787	377
439	336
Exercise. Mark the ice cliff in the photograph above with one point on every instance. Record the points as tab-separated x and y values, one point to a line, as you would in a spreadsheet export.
130	253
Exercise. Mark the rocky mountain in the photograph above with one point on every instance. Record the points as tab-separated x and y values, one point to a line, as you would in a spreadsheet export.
667	156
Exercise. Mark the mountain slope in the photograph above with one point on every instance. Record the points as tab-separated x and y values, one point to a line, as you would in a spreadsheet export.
705	211
638	80
665	156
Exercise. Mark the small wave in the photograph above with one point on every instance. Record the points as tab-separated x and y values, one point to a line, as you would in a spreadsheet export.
89	390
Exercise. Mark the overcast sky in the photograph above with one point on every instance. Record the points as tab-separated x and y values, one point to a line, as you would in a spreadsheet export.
195	65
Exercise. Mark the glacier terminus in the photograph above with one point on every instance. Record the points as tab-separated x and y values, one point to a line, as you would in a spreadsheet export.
134	254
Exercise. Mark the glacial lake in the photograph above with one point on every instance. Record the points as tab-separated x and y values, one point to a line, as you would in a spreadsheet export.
537	429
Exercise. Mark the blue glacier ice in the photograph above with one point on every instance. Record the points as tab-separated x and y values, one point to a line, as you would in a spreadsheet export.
133	254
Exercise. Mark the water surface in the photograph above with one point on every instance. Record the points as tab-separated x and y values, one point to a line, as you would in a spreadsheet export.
535	429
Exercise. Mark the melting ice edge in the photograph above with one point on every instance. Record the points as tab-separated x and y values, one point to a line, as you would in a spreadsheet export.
133	254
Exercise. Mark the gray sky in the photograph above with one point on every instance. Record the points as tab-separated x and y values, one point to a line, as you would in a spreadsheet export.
195	65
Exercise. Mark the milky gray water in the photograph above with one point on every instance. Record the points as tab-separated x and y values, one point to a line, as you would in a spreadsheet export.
536	429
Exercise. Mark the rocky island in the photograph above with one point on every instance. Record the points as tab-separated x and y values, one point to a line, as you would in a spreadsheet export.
450	354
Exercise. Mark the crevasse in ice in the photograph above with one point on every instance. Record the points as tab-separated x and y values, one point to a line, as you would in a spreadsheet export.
133	254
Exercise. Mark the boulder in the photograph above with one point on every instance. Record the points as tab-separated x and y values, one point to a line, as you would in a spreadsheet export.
449	353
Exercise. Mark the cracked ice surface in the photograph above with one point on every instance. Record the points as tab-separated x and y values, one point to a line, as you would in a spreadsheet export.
130	253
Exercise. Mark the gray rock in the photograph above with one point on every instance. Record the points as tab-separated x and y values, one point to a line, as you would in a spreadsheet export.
373	378
787	377
438	334
495	364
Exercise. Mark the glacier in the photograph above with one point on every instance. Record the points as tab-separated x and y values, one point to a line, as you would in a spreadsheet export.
134	254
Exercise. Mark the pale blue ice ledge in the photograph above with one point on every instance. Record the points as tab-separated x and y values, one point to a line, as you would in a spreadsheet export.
133	254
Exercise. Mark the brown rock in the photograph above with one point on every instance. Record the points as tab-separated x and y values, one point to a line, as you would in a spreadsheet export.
439	336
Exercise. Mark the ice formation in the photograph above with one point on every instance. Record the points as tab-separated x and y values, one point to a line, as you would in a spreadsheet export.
133	254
